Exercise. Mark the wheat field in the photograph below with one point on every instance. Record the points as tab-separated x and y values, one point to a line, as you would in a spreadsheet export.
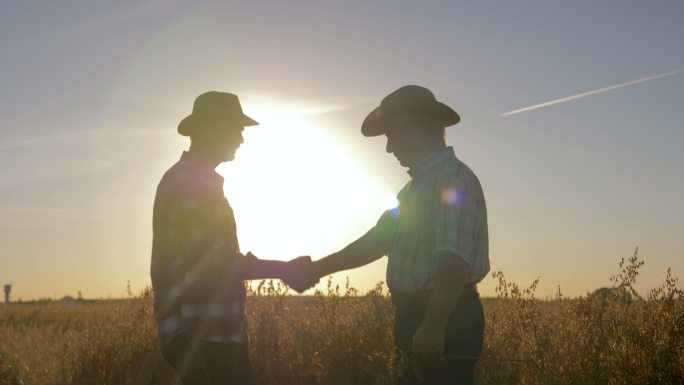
344	337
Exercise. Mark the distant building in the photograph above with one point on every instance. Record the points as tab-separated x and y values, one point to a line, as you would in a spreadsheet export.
616	294
69	301
8	289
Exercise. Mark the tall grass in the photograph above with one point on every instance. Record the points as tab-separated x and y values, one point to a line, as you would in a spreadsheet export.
341	336
606	337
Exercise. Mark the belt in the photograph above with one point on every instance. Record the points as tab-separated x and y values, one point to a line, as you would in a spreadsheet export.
469	288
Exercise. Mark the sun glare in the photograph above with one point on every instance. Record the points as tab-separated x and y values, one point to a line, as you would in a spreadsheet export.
296	190
388	201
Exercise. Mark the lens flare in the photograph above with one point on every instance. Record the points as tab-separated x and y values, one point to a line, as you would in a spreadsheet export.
453	197
389	201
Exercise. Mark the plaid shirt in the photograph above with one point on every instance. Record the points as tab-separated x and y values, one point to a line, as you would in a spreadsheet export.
196	287
441	209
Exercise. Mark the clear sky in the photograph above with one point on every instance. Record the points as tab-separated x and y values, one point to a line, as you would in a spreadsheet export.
91	94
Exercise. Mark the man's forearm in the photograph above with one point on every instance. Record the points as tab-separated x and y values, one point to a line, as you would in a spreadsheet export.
358	253
262	269
451	278
244	267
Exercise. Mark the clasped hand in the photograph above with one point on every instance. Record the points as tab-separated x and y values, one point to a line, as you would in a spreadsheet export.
298	273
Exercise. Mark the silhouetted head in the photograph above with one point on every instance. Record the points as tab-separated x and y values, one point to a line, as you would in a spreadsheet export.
413	121
215	126
411	137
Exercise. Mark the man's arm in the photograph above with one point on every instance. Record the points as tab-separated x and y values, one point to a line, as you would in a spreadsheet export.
368	248
254	268
454	237
225	263
215	254
305	274
452	275
358	253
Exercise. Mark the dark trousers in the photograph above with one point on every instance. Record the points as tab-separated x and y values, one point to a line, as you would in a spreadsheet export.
463	339
199	362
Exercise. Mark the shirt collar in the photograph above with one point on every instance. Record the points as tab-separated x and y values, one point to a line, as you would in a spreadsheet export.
424	165
201	166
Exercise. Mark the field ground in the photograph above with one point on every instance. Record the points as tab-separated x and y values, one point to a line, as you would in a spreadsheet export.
345	337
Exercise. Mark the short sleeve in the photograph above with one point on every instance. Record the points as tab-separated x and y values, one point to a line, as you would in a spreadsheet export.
455	218
385	230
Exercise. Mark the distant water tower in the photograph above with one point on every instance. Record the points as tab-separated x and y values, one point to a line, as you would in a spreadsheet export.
8	289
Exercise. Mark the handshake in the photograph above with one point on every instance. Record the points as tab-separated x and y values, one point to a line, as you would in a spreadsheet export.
300	273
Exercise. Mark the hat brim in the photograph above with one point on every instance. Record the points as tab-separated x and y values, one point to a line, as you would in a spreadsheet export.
377	122
190	123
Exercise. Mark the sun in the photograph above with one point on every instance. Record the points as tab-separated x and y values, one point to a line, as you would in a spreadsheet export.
296	189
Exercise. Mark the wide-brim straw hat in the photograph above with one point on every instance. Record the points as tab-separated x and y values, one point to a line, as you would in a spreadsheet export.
408	100
215	109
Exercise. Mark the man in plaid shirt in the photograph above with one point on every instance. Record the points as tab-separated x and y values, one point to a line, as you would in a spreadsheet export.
436	242
197	269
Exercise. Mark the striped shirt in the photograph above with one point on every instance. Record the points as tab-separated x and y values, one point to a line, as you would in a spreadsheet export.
442	208
196	287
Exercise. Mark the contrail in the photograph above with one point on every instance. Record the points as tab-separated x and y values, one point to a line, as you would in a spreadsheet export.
598	91
47	210
47	138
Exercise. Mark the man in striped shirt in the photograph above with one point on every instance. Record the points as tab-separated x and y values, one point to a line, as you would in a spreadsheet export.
436	242
197	269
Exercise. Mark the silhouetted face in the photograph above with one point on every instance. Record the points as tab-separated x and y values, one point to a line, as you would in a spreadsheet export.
402	140
221	142
228	141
